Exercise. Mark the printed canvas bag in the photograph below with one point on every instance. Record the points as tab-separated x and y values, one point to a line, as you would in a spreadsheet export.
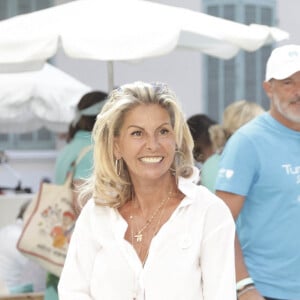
49	223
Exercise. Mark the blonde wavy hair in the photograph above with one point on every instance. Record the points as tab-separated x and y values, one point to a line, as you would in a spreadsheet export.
110	182
235	115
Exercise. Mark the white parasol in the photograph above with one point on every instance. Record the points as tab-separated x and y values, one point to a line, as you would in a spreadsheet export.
44	98
122	30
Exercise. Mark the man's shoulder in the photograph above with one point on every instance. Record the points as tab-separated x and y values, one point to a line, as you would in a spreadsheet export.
255	129
258	122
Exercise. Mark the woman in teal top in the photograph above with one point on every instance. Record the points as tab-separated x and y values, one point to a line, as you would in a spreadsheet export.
209	171
79	137
235	115
69	153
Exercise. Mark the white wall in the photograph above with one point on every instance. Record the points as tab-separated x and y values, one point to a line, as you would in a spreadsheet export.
288	19
10	206
30	167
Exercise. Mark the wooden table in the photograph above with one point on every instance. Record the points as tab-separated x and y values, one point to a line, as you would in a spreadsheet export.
28	296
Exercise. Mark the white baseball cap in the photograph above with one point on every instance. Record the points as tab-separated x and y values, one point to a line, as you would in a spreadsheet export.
283	62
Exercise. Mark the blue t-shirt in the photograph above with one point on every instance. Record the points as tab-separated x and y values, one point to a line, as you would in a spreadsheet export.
261	161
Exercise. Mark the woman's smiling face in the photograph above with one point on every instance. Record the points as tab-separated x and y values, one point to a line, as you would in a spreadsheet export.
146	142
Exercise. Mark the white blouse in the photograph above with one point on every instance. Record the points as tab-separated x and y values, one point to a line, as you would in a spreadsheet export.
190	258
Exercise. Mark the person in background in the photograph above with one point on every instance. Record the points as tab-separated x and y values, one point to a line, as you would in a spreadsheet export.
19	273
259	179
148	232
79	137
235	115
199	125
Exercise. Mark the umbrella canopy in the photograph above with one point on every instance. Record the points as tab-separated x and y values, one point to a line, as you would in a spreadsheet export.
44	98
118	30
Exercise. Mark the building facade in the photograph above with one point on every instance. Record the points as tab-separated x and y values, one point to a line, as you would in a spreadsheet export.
241	77
10	8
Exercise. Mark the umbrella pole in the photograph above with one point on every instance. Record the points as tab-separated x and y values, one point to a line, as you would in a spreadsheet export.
110	74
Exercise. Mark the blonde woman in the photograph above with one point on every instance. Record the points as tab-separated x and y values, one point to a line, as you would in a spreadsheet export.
235	115
148	232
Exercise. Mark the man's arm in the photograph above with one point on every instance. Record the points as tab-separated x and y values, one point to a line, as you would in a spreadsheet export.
235	203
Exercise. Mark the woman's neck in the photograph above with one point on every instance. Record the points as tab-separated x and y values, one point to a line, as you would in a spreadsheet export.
149	195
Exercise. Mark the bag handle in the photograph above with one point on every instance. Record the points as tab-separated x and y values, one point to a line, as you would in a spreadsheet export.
70	174
82	153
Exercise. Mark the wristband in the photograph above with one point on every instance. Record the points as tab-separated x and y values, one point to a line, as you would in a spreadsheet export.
242	283
245	290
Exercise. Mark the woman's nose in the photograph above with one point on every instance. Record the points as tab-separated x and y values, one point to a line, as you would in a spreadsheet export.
152	142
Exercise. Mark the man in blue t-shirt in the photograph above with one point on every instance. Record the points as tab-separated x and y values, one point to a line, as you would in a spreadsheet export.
259	179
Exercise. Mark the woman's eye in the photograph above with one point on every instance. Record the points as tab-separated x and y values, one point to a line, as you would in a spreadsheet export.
136	133
164	131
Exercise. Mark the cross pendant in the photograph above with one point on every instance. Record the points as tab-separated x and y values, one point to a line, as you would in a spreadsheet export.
138	237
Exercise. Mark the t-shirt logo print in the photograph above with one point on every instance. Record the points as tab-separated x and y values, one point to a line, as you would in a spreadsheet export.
227	173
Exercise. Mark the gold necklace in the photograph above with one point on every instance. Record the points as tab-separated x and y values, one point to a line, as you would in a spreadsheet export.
139	235
156	227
